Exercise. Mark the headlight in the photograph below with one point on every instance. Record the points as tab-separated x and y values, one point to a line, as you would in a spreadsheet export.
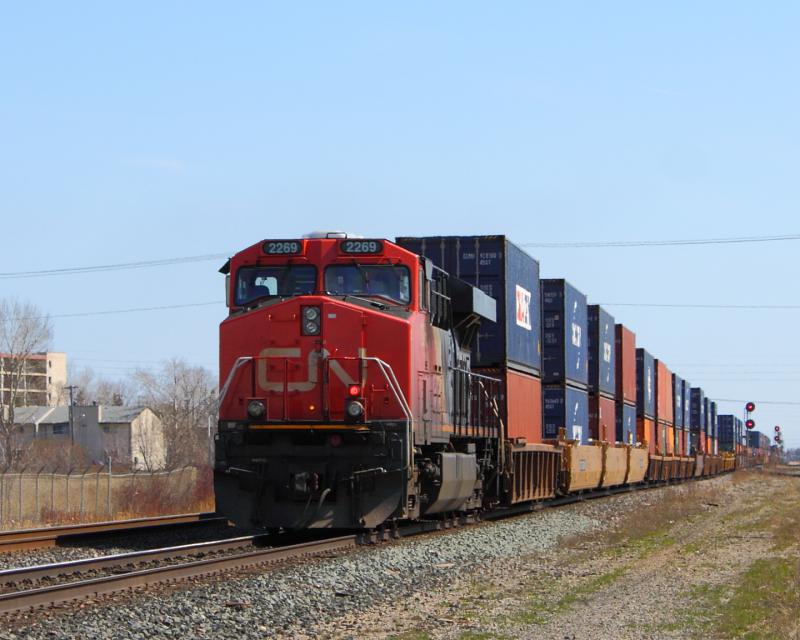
256	409
310	323
354	409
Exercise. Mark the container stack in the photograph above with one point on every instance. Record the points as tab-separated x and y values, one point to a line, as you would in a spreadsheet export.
726	423
677	412
713	427
645	399
565	370
602	375
625	376
687	418
698	424
665	417
509	349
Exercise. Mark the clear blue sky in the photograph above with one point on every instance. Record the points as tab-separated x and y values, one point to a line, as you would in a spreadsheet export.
177	129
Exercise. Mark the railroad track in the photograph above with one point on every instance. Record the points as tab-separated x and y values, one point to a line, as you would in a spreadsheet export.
128	576
24	539
64	592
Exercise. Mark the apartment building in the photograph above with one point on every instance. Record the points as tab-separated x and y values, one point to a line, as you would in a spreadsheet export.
44	376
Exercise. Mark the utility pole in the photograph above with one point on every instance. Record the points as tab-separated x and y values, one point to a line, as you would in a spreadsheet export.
71	388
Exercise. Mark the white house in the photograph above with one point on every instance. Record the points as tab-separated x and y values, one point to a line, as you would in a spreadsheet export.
131	436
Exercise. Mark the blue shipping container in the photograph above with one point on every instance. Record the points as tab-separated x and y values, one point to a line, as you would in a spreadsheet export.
698	410
687	405
565	349
626	423
567	407
713	428
506	273
706	416
645	384
602	356
677	401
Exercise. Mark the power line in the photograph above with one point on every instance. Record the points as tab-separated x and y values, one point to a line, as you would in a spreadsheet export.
143	264
661	243
120	266
700	306
758	402
84	314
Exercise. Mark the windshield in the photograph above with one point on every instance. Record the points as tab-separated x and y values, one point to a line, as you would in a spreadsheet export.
382	280
282	280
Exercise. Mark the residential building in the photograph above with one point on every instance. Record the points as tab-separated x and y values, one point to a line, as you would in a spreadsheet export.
44	376
131	436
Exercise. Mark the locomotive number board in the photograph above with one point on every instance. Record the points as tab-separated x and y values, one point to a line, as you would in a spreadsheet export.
361	246
282	247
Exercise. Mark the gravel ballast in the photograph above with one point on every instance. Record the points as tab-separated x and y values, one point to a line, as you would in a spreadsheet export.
295	600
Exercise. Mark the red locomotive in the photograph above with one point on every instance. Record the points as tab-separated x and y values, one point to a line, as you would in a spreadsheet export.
347	396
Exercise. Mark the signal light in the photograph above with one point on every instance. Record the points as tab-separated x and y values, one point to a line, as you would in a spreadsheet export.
354	390
777	429
750	424
750	406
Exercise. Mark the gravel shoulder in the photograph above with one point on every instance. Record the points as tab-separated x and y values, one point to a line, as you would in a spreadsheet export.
664	563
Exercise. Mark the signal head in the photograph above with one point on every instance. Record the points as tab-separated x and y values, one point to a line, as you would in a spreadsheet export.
750	424
750	406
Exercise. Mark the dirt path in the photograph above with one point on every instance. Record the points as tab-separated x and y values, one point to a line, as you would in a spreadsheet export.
714	559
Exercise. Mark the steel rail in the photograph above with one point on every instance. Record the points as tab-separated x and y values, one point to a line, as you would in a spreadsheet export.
57	569
22	539
55	594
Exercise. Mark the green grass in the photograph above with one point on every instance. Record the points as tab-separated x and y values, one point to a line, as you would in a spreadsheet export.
539	610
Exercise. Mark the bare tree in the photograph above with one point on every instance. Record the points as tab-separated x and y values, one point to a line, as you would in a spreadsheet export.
24	330
184	396
93	389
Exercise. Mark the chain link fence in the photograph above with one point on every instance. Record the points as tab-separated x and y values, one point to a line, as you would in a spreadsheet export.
38	499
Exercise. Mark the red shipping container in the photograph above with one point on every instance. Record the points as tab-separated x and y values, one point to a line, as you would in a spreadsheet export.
701	445
664	397
646	431
625	356
602	418
520	403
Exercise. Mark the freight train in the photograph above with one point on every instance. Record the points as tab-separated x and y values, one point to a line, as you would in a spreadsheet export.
366	382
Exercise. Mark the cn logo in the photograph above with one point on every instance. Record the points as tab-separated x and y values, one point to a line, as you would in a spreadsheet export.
607	352
576	335
524	308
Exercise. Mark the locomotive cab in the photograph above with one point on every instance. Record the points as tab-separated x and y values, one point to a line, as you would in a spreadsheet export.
341	391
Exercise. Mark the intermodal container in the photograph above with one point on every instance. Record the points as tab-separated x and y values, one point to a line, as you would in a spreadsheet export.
646	432
625	360
698	422
568	407
645	385
602	369
626	423
687	405
520	403
726	424
677	401
701	442
664	413
712	416
565	348
706	416
602	418
669	442
506	273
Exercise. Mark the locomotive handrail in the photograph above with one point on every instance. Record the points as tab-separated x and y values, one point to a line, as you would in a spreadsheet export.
236	366
394	385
